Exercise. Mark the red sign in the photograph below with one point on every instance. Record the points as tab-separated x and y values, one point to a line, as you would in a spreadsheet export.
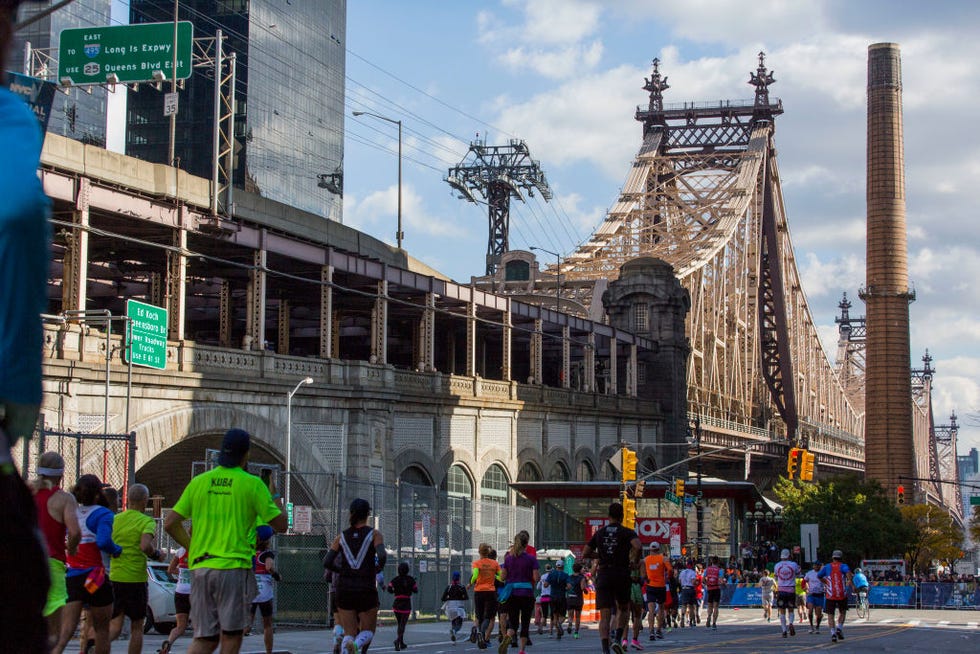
648	529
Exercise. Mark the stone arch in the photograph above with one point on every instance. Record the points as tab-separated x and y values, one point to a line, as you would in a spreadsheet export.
529	471
408	458
559	472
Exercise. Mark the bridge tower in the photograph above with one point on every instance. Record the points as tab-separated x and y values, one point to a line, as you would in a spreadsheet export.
889	443
498	172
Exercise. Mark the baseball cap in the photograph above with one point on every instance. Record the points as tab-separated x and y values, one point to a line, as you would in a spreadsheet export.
234	446
784	554
560	564
455	575
263	532
837	555
654	545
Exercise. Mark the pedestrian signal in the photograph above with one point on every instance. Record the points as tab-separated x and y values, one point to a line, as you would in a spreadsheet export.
629	513
640	486
793	462
629	465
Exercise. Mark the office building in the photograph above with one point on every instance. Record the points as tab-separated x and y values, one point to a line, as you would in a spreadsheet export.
289	100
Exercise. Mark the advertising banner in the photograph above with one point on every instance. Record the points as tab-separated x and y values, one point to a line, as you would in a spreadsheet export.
666	531
891	595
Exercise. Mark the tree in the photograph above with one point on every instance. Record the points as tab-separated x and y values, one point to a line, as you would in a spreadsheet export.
975	526
854	516
935	536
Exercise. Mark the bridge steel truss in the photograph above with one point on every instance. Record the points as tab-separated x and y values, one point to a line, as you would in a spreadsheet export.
704	194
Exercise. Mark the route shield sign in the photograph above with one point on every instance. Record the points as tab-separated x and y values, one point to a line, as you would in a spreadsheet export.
148	335
132	52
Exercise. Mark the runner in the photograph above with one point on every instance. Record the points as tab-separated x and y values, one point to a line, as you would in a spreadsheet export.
264	567
357	554
658	571
766	584
814	597
713	581
698	592
403	586
134	531
86	579
486	571
786	572
578	587
835	576
635	612
520	573
57	513
673	597
454	599
225	504
801	591
182	596
558	580
542	600
617	549
687	578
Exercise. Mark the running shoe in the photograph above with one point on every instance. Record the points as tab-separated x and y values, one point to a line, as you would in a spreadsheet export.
164	647
785	634
352	648
473	634
617	648
653	636
660	634
840	635
398	646
561	632
452	634
792	630
833	637
504	645
636	644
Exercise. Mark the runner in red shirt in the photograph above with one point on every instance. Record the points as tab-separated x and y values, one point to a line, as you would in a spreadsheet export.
713	580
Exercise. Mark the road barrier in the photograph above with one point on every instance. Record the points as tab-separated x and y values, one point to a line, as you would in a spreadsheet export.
926	595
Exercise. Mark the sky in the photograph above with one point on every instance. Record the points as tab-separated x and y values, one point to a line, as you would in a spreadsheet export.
566	76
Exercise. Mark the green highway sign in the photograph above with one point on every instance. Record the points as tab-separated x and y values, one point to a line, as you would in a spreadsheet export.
975	500
87	55
148	334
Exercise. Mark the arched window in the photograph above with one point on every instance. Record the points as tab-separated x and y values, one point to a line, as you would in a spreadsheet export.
609	472
585	471
416	476
517	271
457	483
559	472
529	472
494	486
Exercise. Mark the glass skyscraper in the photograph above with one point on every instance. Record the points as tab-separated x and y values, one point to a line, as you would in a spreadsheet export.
289	97
77	112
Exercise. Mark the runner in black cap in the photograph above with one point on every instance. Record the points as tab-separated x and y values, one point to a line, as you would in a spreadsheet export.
357	555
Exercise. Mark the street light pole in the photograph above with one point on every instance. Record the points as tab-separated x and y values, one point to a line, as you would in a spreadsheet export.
699	504
289	436
557	275
399	235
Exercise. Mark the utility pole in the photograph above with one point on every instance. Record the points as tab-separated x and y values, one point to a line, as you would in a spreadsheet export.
699	503
173	89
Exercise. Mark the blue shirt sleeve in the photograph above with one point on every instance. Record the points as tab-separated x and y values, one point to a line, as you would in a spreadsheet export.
824	571
100	522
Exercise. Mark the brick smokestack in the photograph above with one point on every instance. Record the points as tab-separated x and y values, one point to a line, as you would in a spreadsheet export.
889	446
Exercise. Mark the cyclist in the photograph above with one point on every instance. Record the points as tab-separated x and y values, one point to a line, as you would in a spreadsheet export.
861	585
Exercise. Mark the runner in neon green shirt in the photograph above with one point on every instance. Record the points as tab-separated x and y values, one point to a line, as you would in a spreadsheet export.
225	503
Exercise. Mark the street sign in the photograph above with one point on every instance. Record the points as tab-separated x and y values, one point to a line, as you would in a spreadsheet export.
132	53
289	516
169	104
810	538
148	334
302	519
670	497
975	500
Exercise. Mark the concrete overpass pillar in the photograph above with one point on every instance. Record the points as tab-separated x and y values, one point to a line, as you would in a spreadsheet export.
73	288
282	341
379	325
505	340
589	372
613	388
255	322
536	347
327	349
177	281
566	357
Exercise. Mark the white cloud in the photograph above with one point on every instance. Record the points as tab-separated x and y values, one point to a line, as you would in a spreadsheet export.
380	208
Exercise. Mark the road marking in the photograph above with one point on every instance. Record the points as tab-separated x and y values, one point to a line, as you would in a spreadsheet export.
972	625
943	623
913	623
887	620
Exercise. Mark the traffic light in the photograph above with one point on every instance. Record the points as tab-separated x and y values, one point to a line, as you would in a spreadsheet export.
793	462
809	459
629	513
640	487
901	494
679	487
629	465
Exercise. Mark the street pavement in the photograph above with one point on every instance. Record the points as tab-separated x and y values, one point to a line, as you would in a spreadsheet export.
739	631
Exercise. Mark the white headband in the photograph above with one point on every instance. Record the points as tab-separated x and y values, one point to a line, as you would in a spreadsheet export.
50	472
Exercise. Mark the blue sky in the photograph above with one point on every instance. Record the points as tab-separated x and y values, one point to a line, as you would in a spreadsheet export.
566	76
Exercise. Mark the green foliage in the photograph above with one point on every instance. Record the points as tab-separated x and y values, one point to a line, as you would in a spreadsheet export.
936	536
975	525
855	516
